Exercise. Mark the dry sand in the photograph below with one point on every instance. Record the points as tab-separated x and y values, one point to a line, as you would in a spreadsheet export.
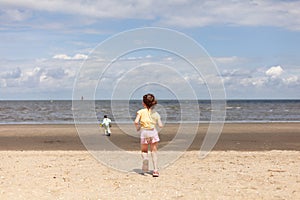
250	161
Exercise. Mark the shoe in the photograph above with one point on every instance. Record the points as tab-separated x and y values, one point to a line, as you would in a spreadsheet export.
155	174
145	166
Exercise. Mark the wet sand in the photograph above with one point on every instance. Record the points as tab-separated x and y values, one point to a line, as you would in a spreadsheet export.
249	161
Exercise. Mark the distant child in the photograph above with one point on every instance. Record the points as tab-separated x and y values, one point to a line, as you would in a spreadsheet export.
106	123
145	122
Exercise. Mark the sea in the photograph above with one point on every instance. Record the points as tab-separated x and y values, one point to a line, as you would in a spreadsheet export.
237	111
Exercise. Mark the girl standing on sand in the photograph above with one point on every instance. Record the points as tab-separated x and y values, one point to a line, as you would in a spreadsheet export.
145	122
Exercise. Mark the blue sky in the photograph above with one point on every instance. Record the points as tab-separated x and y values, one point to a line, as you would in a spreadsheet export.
255	44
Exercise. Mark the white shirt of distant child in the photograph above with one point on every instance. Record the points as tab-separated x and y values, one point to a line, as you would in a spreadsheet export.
106	124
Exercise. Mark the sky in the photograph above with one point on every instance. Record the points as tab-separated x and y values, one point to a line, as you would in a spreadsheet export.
253	44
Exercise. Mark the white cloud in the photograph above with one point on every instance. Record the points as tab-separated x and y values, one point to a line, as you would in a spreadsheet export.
93	9
243	13
292	80
31	77
79	57
169	59
58	74
62	57
14	15
227	60
274	71
272	78
66	57
14	73
256	81
3	83
183	13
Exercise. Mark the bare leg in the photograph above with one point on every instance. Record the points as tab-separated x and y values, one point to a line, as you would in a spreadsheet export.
144	150
153	148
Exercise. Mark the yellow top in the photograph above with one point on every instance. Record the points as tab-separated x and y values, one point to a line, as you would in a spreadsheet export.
148	118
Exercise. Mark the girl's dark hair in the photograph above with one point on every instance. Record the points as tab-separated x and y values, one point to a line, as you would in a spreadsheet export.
149	100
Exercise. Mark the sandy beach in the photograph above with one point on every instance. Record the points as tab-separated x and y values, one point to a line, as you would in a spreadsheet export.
249	161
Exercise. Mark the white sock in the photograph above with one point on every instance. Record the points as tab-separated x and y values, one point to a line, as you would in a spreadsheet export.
145	166
154	160
145	155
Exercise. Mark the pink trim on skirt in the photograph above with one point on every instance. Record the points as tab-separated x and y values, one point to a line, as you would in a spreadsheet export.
149	136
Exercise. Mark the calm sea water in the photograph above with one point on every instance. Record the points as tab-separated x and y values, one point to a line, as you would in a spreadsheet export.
60	112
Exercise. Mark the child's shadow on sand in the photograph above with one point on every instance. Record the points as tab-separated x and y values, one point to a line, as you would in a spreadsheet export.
139	171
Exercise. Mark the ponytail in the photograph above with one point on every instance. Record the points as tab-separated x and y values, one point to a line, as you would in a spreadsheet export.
149	100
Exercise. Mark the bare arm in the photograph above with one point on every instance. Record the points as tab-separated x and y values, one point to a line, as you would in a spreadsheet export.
136	122
159	123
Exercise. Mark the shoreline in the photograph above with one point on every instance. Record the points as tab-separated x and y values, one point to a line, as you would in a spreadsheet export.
234	136
128	123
